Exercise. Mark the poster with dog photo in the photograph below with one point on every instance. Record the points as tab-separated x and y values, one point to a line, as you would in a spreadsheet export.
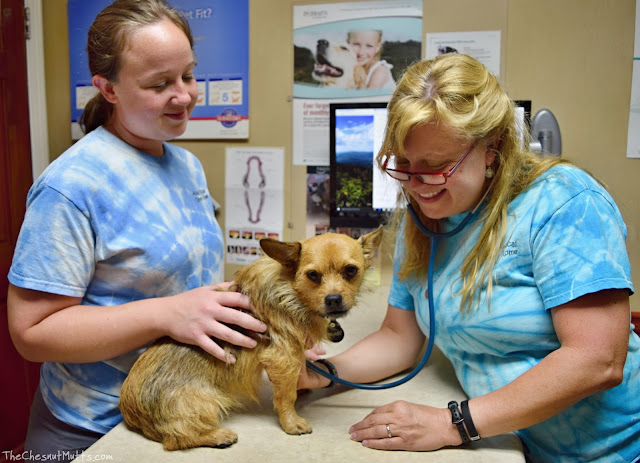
352	51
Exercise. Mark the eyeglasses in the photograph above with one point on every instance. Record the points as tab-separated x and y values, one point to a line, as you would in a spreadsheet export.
428	178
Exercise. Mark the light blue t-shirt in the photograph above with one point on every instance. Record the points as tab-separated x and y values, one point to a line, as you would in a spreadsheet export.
566	238
111	224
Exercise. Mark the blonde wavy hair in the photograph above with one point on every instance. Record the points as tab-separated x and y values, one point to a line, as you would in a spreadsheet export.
457	91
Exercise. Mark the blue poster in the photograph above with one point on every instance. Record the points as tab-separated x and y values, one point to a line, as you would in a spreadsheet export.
221	33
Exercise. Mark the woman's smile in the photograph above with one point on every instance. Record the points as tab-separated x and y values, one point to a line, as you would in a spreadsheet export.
178	115
430	196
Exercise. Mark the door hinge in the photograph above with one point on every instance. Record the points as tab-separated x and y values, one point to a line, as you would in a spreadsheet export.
27	23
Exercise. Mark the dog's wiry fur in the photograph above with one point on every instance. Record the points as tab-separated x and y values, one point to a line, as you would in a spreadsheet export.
178	394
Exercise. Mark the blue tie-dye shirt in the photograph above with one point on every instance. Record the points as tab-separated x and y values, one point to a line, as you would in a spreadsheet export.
111	224
566	238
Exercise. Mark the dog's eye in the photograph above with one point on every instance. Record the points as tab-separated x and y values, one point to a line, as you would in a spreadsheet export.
314	276
350	271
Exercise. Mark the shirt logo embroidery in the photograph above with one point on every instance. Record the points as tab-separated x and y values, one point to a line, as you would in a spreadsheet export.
511	249
200	195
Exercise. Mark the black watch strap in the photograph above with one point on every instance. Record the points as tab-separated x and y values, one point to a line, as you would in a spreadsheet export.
468	421
456	418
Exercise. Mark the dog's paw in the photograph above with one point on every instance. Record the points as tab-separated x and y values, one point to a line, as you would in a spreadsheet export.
218	438
296	426
224	438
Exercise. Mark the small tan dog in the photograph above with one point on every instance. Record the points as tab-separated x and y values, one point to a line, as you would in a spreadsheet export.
178	394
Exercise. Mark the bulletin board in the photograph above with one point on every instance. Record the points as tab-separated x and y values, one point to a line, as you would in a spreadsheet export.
221	34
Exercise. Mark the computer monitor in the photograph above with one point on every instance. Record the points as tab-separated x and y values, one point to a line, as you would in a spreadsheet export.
360	194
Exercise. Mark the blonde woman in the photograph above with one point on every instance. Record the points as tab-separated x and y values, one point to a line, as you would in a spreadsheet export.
531	294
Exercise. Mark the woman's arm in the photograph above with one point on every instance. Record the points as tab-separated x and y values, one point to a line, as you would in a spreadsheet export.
391	349
51	327
379	77
594	333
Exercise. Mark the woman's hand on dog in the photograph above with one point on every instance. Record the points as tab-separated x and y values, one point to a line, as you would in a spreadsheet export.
314	353
412	426
309	379
202	313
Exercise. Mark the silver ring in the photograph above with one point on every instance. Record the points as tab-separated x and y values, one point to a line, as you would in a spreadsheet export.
389	432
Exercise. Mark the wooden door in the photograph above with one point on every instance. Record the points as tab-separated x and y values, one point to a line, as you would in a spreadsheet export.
19	378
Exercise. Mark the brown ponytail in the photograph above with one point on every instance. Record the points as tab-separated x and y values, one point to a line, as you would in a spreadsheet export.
96	113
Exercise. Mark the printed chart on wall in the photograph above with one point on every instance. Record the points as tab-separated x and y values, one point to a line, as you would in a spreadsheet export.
221	43
633	134
346	52
254	200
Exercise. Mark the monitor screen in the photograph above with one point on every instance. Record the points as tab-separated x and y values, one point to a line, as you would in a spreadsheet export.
360	194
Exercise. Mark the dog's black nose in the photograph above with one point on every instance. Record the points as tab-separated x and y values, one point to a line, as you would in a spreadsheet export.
322	45
333	302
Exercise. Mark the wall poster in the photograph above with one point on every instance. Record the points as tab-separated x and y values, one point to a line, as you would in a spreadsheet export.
254	200
346	52
481	45
221	32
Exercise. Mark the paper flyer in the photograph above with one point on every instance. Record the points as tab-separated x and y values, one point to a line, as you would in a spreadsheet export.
481	45
254	200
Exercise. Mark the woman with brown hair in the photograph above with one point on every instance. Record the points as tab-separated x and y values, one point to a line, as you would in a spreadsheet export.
119	245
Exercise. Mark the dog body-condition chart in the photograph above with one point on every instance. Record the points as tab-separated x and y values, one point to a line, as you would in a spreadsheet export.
254	200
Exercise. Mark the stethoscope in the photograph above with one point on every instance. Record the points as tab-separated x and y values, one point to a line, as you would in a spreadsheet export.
435	240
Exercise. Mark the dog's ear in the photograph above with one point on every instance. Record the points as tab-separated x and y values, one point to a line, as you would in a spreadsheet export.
370	243
288	254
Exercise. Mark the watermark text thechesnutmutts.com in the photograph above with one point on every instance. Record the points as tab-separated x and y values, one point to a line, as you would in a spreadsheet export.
60	455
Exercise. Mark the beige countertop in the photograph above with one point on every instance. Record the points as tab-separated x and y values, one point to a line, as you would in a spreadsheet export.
330	411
